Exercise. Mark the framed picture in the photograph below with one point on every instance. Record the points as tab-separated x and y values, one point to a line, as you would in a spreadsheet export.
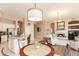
38	29
61	25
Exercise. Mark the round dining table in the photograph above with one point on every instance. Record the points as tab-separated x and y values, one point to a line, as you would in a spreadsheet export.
32	50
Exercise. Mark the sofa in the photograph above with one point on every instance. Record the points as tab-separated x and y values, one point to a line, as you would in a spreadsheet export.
74	43
59	41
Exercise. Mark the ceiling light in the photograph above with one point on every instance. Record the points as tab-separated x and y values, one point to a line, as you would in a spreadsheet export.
35	14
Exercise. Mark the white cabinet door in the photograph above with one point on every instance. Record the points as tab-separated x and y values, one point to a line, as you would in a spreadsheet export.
4	26
3	38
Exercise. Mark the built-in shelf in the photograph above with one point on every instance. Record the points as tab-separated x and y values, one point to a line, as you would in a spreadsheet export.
73	29
73	25
74	22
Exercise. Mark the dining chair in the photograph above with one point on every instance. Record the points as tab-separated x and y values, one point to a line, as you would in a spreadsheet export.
29	39
7	52
45	40
24	41
66	50
2	51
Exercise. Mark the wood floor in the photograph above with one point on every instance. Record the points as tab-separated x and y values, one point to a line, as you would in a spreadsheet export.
59	50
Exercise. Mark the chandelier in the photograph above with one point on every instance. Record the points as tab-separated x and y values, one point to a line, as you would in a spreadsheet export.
34	14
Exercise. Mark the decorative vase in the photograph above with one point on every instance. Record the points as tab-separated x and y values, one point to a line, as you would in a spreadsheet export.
37	44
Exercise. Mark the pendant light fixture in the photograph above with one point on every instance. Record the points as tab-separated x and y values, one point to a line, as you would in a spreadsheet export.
34	14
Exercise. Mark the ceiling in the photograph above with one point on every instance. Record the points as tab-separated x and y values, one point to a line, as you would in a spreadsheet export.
50	10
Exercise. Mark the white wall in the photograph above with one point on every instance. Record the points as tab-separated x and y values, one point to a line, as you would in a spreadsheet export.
5	23
45	27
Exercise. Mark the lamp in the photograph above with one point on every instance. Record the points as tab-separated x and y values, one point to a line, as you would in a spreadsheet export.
34	14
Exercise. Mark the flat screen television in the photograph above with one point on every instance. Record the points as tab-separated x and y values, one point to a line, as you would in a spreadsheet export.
72	35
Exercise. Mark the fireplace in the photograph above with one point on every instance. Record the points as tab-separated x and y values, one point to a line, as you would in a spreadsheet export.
72	35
